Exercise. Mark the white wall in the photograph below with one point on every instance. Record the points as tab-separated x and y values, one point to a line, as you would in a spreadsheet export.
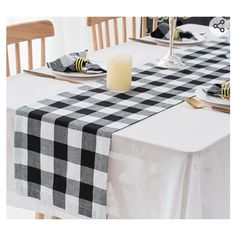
71	34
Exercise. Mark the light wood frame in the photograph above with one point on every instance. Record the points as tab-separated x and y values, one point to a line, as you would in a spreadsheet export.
27	32
97	35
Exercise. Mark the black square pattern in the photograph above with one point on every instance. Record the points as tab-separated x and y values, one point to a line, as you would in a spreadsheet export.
59	183
86	192
34	175
33	143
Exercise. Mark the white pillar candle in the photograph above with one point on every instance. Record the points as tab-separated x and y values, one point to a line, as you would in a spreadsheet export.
119	72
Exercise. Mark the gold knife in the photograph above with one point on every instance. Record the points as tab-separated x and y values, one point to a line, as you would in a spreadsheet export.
143	41
40	74
150	42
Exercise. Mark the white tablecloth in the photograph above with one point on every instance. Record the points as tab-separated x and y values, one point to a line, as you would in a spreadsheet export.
176	163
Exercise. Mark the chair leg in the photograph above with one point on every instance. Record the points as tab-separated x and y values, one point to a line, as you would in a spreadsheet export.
39	216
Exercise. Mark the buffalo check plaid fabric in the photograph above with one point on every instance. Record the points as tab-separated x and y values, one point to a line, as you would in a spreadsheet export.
62	143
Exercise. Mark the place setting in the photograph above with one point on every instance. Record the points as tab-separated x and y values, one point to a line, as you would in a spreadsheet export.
180	36
162	33
72	67
216	97
217	93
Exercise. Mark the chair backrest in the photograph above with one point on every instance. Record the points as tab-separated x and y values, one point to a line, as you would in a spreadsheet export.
28	32
97	34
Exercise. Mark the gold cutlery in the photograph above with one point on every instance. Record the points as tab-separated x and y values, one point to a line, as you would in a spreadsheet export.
198	104
202	33
40	74
143	41
149	42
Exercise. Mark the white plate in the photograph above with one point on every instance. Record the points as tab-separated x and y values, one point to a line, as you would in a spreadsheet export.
210	99
79	75
200	39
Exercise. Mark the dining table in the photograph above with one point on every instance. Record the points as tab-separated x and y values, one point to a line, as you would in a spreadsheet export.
173	165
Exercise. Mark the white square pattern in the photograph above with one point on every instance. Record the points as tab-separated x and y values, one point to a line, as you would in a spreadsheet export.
82	104
203	70
21	187
127	103
100	179
101	97
176	82
74	138
108	110
144	95
21	156
217	66
102	145
58	98
47	163
154	109
171	101
72	203
46	195
117	125
21	124
89	119
162	89
73	171
47	130
99	211
37	105
137	83
136	117
61	112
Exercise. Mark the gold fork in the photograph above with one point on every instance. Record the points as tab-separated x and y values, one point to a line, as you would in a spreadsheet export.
198	104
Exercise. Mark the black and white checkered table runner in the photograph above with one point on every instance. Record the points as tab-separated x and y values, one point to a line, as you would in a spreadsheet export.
62	143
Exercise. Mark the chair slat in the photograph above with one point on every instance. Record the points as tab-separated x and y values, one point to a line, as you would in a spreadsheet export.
154	23
108	43
134	27
17	53
116	31
124	33
42	51
100	38
95	44
144	26
7	63
30	55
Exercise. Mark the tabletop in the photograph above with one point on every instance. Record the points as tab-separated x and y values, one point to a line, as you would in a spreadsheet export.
198	129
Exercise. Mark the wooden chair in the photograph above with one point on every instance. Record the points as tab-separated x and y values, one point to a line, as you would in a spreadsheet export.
97	35
28	32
